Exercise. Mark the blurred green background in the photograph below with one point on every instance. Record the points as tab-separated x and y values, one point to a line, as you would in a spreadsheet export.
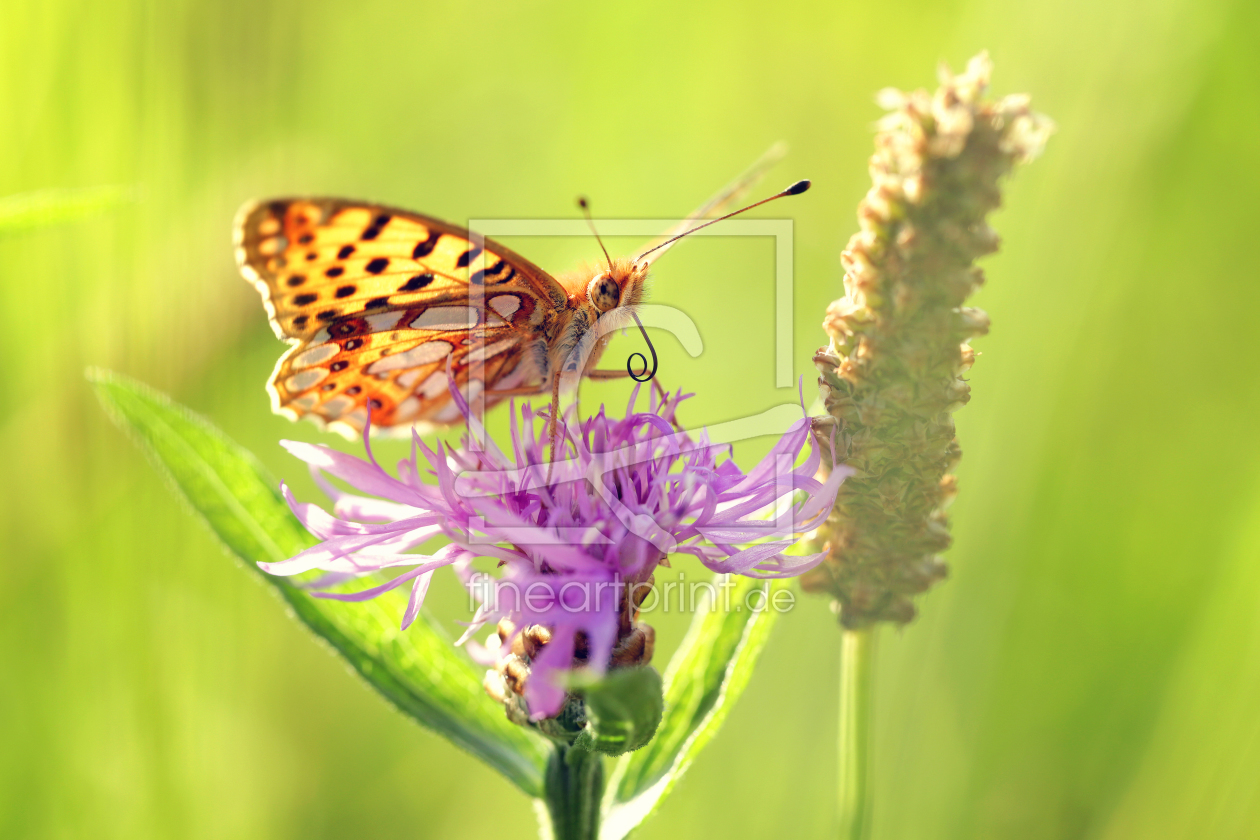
1090	670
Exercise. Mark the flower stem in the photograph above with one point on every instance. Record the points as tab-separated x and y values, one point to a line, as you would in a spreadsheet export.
574	787
857	654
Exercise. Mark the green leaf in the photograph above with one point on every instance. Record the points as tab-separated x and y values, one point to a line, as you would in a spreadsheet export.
42	208
623	710
704	678
419	670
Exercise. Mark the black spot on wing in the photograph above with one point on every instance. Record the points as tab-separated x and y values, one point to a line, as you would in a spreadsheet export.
327	315
346	250
335	271
467	257
423	249
416	283
376	302
377	265
374	230
345	291
296	280
481	274
305	300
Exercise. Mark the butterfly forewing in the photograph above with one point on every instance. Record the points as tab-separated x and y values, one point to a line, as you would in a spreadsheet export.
380	301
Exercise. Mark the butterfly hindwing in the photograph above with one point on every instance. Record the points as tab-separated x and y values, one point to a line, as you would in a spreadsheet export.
379	301
401	374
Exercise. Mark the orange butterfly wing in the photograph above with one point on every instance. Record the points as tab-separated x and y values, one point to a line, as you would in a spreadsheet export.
379	301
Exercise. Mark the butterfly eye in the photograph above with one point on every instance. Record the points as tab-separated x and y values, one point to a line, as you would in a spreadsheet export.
604	293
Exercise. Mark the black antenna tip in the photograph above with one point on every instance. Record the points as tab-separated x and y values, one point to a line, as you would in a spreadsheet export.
582	202
797	188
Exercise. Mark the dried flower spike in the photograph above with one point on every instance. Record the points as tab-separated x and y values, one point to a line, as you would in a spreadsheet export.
892	374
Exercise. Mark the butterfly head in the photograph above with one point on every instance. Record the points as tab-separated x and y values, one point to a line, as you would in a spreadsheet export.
620	284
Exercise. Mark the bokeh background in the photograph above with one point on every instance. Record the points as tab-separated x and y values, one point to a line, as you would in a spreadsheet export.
1090	670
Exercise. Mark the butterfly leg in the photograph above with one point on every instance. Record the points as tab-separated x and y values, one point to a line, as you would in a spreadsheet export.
555	421
533	391
523	391
622	374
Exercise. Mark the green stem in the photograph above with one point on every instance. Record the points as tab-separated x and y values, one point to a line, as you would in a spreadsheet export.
857	654
574	786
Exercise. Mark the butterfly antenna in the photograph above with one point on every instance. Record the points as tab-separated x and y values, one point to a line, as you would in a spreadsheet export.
586	211
796	189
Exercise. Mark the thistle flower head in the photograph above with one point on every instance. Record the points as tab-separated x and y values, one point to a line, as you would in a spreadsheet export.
571	536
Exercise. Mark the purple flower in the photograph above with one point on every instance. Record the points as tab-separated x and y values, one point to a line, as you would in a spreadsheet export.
622	495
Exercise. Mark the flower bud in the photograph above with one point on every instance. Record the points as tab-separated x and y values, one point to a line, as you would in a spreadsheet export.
972	322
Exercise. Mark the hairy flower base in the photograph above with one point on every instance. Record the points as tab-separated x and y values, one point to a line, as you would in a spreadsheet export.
621	496
516	651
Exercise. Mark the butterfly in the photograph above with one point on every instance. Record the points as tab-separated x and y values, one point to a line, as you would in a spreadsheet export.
387	310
